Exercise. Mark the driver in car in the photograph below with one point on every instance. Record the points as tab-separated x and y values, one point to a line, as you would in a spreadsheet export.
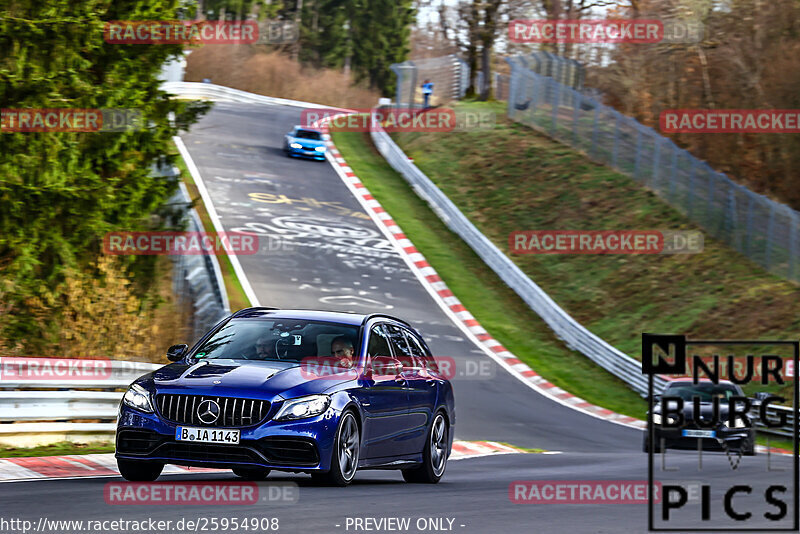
262	348
343	350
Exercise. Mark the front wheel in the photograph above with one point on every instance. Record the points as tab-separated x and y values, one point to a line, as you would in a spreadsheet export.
346	451
434	457
139	470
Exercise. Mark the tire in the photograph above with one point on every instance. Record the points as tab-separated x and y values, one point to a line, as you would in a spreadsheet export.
749	446
251	473
346	452
139	470
434	455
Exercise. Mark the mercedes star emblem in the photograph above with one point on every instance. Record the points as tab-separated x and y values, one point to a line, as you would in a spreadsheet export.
208	411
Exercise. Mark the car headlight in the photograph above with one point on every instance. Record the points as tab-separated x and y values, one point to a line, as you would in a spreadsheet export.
303	407
737	423
138	397
656	418
320	149
296	145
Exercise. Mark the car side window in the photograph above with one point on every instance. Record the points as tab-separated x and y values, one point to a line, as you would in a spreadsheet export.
378	343
401	349
419	352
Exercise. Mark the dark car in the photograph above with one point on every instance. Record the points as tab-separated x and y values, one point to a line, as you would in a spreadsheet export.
316	392
305	142
700	427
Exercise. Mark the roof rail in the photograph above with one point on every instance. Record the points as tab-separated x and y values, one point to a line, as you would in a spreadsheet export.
386	316
253	308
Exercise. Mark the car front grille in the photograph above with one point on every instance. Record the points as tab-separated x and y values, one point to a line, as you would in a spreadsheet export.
233	412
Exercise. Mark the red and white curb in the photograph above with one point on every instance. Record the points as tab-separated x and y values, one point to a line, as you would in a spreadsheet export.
105	465
453	307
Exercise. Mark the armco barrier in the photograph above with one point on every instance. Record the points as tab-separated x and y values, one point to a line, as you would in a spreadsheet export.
565	327
30	416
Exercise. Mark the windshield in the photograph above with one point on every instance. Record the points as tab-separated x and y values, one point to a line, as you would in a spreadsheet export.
277	340
704	391
307	134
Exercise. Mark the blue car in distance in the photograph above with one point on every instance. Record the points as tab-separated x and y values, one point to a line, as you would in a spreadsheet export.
304	142
324	393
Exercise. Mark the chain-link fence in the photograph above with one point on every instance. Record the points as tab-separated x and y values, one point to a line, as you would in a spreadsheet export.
449	75
764	230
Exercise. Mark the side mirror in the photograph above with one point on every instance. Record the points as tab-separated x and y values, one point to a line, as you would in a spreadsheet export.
176	352
656	398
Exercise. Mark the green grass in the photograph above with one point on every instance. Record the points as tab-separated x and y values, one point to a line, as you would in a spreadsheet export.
496	306
56	449
236	295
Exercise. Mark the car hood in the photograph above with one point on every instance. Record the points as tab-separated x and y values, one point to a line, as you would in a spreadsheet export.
241	378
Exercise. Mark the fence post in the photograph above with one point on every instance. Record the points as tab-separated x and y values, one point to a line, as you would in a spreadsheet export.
770	230
412	86
748	238
556	99
537	82
656	161
710	202
730	220
616	142
674	177
794	222
638	157
577	100
594	131
690	200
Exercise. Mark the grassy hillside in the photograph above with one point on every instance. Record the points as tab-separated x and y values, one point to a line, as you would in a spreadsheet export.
512	178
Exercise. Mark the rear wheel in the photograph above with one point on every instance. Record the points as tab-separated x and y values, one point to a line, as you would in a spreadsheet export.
346	451
434	456
251	473
139	470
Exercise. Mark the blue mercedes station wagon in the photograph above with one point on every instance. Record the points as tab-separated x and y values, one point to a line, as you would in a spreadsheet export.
324	393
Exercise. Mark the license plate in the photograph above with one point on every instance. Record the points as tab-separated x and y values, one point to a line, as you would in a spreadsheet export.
207	435
699	433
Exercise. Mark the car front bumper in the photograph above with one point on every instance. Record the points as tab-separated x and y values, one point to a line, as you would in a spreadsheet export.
304	445
730	437
305	153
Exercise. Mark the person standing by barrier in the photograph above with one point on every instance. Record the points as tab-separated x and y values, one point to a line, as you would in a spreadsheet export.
427	91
